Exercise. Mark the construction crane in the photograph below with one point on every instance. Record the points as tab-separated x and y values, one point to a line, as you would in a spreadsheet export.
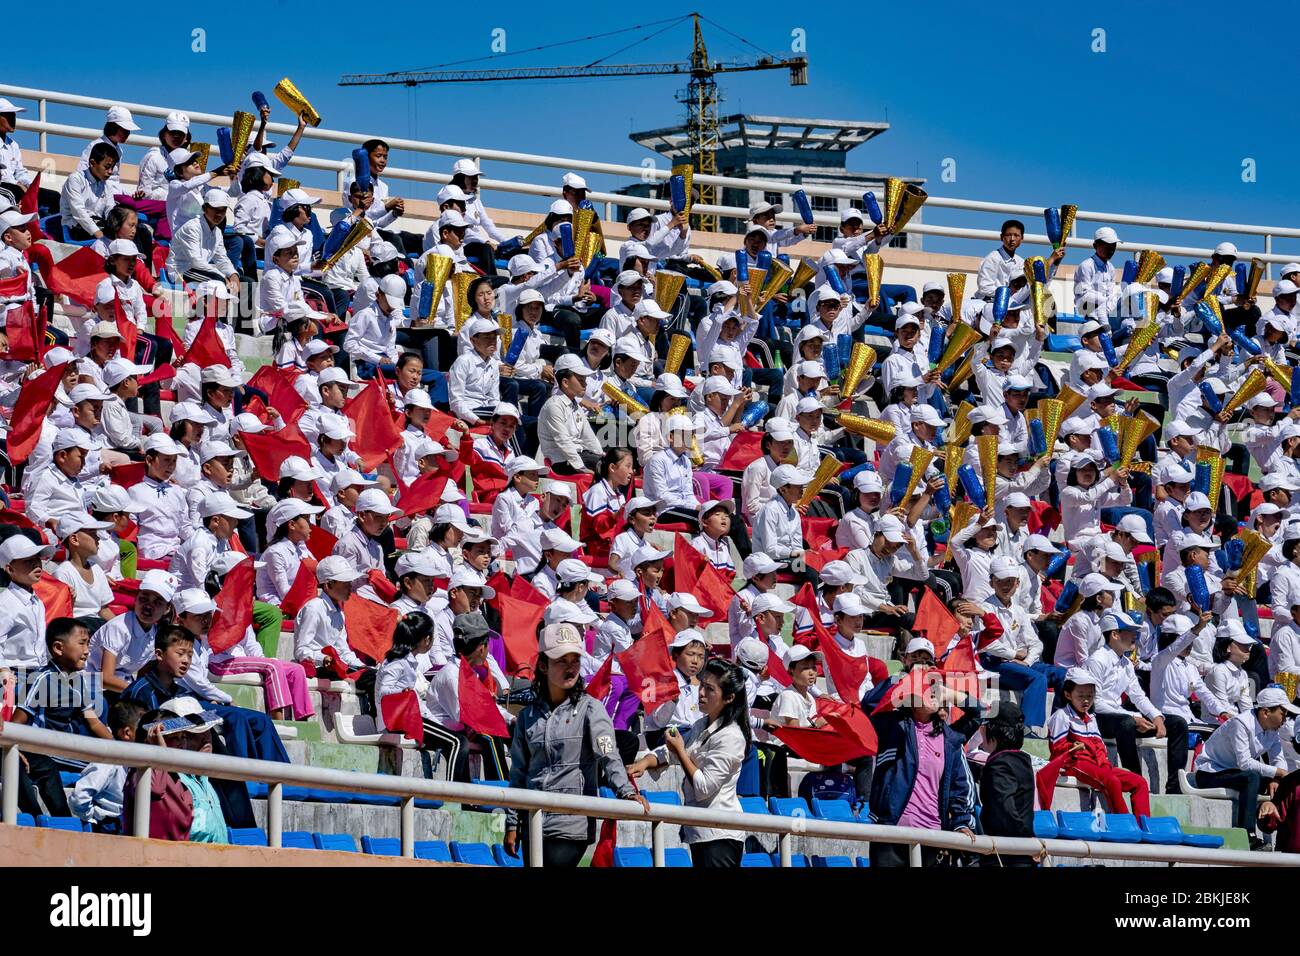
700	96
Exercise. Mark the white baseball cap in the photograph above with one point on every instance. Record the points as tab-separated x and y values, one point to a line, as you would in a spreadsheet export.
770	601
222	504
685	602
1105	234
1095	583
560	640
1135	526
121	116
522	463
840	573
72	522
784	475
1273	696
337	568
374	500
759	562
849	603
918	644
868	481
1225	249
162	444
557	539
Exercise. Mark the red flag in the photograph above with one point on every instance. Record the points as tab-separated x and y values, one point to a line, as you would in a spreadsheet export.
370	626
934	621
519	620
847	735
649	670
776	667
744	448
478	706
818	531
599	685
694	574
17	518
55	595
33	404
28	206
281	395
524	591
321	543
961	659
77	276
25	330
127	330
911	686
301	591
848	672
378	432
234	608
159	374
437	425
653	622
383	587
806	598
489	477
423	494
402	714
128	475
268	450
206	349
163	327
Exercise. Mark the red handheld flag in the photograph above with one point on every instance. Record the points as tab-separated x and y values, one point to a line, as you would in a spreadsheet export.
30	410
128	475
519	620
378	433
234	608
370	626
524	591
847	735
28	206
438	424
402	714
206	349
649	671
601	681
423	494
694	574
806	598
744	448
280	393
301	591
321	543
934	621
268	450
77	276
478	706
653	622
55	595
848	672
127	330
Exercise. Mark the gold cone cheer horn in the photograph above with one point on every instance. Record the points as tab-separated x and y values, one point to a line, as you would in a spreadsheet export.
1037	300
1255	547
882	433
961	426
292	97
1217	464
437	270
1250	386
359	232
1132	433
687	172
956	292
1029	268
697	456
284	185
1200	272
1068	213
1070	401
893	200
1051	412
961	341
1142	336
668	285
677	347
622	398
1252	279
1220	273
507	323
460	283
777	277
875	267
594	245
204	150
754	288
1149	263
803	274
921	459
828	469
951	462
963	372
987	448
583	219
1278	373
711	270
909	199
241	128
862	359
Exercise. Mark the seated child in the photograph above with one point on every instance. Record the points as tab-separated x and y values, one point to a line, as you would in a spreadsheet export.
97	796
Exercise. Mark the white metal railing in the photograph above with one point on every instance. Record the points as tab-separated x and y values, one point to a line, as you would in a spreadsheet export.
14	737
44	128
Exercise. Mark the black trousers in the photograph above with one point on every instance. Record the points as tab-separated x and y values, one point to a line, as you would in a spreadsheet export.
897	855
557	852
41	778
882	620
717	854
1248	786
1123	728
590	460
738	534
568	322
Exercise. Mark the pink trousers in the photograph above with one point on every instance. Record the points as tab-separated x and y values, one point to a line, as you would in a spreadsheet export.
285	682
711	487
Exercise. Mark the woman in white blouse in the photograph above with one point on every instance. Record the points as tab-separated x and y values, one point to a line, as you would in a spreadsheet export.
710	756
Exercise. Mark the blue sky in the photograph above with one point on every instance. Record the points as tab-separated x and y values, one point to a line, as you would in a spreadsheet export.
1157	124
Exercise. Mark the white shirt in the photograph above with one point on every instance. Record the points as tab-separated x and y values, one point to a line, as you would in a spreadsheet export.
196	245
1116	678
668	481
1096	292
563	431
1242	744
778	531
282	561
56	494
998	268
85	199
164	517
130	644
154	168
88	598
22	628
474	383
372	336
192	561
11	163
318	625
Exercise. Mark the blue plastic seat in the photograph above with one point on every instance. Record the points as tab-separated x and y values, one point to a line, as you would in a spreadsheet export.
1077	825
1166	831
249	836
1203	841
68	778
633	856
422	804
789	806
831	862
863	861
1062	343
841	811
796	860
668	798
1121	828
476	854
1045	826
295	793
328	796
256	790
297	840
341	842
26	820
377	799
505	859
756	860
434	850
72	824
381	846
753	805
606	793
677	857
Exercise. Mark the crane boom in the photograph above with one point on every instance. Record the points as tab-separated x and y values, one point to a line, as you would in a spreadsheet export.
798	66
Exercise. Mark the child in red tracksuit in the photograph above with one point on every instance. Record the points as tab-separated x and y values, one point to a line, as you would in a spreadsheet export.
1078	750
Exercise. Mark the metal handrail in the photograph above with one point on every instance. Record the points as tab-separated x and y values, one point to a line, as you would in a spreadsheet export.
1268	233
535	802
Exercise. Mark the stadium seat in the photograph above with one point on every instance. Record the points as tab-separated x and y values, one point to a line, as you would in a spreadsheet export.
25	820
831	862
1062	343
841	811
297	840
789	806
1161	830
1045	826
753	805
796	860
327	796
475	854
505	859
71	824
432	850
633	856
249	836
863	861
1203	841
668	798
1121	828
257	790
1077	825
342	842
756	860
381	846
677	857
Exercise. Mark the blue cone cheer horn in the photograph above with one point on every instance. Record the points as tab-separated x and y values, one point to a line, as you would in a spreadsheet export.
754	413
1245	344
742	267
677	193
1176	283
1001	302
1212	401
1108	348
1057	563
871	208
1209	319
566	240
1037	439
802	206
361	169
1197	589
225	146
971	484
1066	598
1130	273
833	279
902	478
521	333
1109	444
259	100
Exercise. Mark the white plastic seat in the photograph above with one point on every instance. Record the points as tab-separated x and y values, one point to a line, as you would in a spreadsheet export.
360	729
1209	793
